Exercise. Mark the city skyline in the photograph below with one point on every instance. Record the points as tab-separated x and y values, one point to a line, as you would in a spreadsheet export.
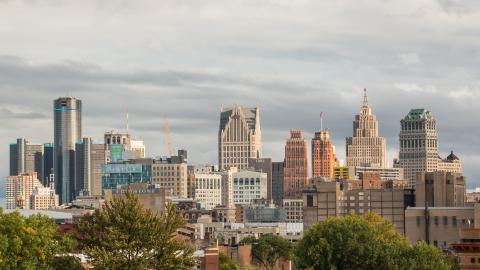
295	61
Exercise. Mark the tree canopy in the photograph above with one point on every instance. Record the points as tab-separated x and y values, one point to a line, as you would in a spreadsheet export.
124	235
268	249
30	243
368	242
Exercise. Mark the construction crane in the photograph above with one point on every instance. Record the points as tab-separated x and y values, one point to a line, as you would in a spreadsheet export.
166	125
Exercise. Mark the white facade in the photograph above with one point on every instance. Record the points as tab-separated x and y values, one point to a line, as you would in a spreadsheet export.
227	187
138	148
249	185
208	189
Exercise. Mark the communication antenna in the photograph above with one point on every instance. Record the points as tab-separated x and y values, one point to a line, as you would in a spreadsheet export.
365	98
321	121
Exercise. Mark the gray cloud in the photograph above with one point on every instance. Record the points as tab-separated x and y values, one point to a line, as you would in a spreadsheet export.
293	58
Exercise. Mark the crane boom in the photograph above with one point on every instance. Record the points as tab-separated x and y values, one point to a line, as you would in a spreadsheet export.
166	125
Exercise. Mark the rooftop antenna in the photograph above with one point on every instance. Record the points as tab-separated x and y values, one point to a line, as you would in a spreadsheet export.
126	118
365	98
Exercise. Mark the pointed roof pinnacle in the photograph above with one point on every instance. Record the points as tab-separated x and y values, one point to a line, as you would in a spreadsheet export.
365	98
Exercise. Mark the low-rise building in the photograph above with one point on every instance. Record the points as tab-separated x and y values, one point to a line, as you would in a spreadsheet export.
327	198
439	226
151	197
248	186
171	174
293	209
208	189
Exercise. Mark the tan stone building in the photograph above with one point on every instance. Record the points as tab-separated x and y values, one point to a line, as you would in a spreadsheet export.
239	137
439	226
295	176
440	189
365	148
419	147
19	189
326	198
172	174
323	154
43	198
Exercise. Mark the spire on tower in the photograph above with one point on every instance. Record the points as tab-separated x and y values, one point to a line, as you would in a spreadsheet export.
365	98
321	121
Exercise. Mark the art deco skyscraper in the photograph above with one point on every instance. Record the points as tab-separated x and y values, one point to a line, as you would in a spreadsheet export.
323	154
418	144
239	137
365	148
295	165
67	131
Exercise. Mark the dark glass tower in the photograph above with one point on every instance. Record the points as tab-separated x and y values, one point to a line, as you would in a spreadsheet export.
67	113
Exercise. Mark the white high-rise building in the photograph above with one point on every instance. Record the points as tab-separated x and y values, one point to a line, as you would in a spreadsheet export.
239	137
248	186
419	147
366	148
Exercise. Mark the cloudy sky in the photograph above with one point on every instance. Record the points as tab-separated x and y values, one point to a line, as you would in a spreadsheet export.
293	58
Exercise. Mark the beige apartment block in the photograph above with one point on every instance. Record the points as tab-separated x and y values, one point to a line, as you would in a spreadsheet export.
19	189
439	226
172	177
328	198
43	198
239	137
365	148
440	189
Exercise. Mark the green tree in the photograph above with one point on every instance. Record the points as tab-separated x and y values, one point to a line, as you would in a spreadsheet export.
367	242
67	262
226	263
30	243
268	248
124	235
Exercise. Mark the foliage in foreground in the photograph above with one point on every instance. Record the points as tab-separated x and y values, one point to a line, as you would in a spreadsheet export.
268	249
124	235
30	243
367	242
226	263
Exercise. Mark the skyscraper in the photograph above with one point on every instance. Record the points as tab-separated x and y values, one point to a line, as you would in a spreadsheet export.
295	165
277	182
418	144
365	148
67	113
89	158
239	136
323	154
26	157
